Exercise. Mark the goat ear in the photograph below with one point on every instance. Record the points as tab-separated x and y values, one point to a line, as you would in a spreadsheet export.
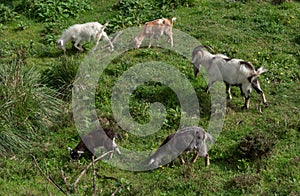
80	152
69	148
60	43
204	137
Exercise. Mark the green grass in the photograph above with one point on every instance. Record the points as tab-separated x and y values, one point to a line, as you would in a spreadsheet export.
260	32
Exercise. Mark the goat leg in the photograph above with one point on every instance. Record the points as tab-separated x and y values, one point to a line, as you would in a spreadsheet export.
195	157
171	164
76	45
207	162
247	103
229	97
150	40
210	85
170	38
181	159
257	88
264	99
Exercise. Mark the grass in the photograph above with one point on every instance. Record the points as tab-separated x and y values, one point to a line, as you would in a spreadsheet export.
260	32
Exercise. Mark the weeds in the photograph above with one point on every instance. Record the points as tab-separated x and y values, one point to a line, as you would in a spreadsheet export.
129	12
6	14
242	183
53	10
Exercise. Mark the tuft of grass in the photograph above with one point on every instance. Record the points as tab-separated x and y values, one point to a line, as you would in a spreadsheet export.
27	106
256	145
61	76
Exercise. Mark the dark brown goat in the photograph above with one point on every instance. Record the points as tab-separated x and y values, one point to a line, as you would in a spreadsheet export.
187	139
95	139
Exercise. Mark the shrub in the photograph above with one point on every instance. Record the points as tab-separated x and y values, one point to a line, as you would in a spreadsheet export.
6	14
172	4
129	13
51	32
256	145
27	107
53	10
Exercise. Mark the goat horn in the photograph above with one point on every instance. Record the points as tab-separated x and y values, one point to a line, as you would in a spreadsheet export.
209	48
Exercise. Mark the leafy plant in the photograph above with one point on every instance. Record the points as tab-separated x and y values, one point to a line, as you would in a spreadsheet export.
167	4
53	10
22	26
136	12
6	14
50	32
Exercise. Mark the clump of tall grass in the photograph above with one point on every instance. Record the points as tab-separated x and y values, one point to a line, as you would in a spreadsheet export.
60	76
27	106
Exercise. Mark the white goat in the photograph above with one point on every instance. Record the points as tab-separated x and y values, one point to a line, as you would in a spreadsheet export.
231	71
83	32
155	29
185	140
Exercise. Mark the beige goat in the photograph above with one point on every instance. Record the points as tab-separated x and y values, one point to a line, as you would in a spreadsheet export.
155	29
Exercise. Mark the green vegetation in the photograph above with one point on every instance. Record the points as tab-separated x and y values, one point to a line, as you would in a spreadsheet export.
255	154
27	107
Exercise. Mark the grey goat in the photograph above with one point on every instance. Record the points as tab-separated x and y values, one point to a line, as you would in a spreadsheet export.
185	140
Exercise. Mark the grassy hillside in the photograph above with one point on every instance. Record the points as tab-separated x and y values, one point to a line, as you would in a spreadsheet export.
255	153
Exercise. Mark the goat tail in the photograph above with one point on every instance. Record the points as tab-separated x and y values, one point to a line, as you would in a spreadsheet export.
258	72
261	70
173	19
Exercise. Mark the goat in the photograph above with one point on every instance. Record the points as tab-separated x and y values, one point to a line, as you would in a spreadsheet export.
93	140
185	140
155	29
83	32
231	71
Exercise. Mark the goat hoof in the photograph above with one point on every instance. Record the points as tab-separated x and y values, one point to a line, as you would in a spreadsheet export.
266	105
244	108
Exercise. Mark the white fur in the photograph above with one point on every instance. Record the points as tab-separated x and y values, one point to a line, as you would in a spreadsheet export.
231	71
83	32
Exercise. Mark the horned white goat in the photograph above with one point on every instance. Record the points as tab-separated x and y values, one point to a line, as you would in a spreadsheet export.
155	29
83	32
185	140
231	71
